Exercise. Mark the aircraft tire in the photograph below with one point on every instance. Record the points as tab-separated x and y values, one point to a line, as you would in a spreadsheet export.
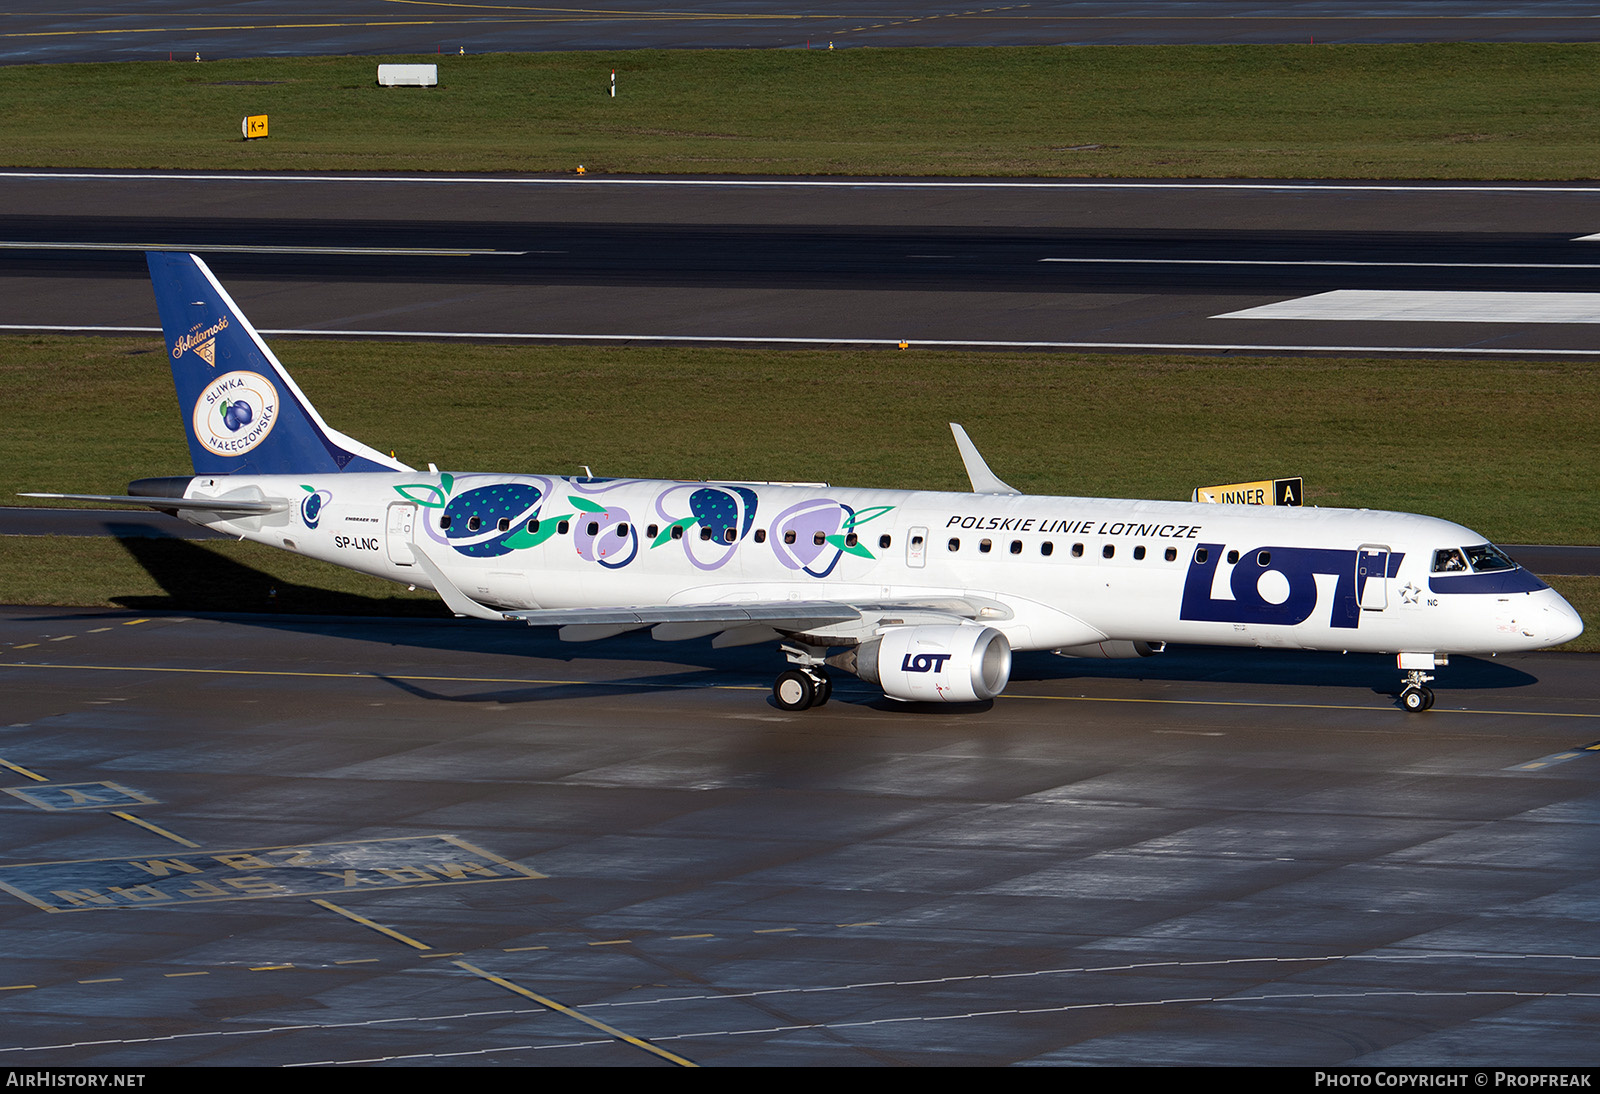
1416	699
795	690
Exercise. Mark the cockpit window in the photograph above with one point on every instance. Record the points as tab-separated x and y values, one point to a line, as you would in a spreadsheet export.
1487	558
1449	561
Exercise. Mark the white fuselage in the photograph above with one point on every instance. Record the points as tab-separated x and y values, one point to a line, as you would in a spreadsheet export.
1071	571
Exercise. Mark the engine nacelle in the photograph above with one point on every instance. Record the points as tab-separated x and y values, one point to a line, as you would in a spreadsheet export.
956	663
1112	651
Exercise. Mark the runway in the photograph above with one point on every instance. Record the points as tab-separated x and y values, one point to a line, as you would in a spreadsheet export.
1028	264
257	840
159	29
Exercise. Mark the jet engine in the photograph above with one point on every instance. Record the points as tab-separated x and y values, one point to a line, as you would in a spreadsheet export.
954	663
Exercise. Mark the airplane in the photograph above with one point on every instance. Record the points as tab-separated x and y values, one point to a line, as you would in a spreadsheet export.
923	594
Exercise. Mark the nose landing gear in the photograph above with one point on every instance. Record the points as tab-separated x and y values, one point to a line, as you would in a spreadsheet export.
1415	695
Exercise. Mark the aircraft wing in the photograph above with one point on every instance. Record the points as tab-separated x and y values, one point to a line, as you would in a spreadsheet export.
734	624
747	622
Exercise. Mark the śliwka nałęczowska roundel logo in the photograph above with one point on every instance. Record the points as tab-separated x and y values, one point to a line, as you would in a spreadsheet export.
235	413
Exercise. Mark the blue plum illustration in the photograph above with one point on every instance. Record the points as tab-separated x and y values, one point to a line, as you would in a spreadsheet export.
475	516
236	415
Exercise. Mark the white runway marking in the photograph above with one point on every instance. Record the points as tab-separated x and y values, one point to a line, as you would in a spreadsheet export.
914	343
838	183
1381	305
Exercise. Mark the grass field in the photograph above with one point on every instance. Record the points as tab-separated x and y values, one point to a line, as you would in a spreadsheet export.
1371	111
84	415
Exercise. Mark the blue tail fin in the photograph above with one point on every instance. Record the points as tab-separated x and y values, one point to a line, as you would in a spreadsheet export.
243	412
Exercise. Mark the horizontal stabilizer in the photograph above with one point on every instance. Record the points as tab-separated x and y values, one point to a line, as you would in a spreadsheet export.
176	505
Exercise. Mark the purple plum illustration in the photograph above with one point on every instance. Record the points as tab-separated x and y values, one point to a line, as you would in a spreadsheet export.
597	536
800	535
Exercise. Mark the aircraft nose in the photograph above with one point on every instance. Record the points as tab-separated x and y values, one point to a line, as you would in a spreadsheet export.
1561	621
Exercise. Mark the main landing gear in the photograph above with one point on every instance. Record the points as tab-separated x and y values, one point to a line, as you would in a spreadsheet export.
798	689
805	684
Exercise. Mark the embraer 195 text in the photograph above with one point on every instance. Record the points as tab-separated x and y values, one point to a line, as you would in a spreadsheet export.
924	594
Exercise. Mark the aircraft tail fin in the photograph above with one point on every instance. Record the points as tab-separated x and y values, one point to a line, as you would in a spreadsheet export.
243	412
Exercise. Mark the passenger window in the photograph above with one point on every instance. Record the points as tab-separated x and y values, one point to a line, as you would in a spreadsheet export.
1200	555
1047	548
883	541
653	531
504	525
1016	546
819	539
954	545
1263	558
1107	551
729	535
677	531
1138	552
561	529
850	539
444	522
472	524
788	537
1077	550
1233	556
533	525
985	546
761	535
622	531
593	528
705	533
1172	554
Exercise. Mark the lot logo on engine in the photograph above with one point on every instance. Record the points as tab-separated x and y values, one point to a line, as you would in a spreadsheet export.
924	662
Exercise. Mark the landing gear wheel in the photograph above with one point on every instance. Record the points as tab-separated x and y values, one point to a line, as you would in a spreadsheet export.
794	690
1416	699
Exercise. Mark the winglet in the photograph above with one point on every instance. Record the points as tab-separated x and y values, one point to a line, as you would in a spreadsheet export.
984	481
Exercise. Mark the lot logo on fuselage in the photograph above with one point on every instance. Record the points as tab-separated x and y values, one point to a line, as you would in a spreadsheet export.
1276	585
235	412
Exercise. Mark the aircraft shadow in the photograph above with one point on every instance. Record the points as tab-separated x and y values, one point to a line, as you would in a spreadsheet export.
1306	668
194	578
